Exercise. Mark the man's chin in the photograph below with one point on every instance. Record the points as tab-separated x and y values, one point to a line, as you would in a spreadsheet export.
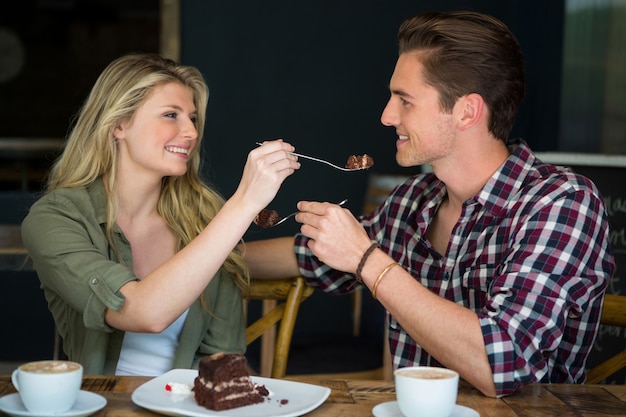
404	162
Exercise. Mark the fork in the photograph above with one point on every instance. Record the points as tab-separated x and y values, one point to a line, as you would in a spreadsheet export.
322	161
296	212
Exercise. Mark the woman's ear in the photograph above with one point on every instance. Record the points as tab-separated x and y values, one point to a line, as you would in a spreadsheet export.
118	131
471	110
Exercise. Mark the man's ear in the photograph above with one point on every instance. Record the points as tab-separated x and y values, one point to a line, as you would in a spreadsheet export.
471	110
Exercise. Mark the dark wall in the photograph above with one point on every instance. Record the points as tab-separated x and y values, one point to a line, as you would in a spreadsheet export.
316	74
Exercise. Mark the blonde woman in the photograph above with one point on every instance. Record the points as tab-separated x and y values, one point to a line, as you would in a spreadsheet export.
136	255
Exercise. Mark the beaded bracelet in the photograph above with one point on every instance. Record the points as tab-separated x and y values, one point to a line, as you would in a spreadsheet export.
380	277
366	255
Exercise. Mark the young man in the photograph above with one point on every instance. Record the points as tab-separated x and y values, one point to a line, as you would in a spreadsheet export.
495	264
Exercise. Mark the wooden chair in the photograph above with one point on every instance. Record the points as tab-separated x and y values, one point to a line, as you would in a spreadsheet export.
613	314
275	345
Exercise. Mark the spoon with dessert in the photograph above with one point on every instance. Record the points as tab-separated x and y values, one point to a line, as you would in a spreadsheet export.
354	163
270	218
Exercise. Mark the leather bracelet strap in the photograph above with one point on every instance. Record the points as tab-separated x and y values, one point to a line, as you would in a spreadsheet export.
366	255
380	277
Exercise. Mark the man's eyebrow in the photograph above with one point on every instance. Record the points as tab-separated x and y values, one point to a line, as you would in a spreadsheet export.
401	93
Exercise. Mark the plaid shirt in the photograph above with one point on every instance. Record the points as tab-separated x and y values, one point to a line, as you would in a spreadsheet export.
529	255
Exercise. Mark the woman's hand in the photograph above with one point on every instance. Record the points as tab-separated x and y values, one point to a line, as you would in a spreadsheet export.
337	237
266	168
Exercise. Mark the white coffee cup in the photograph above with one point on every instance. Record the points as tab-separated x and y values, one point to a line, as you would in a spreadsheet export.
426	391
47	387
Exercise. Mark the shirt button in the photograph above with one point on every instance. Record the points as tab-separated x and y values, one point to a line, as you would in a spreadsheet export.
94	281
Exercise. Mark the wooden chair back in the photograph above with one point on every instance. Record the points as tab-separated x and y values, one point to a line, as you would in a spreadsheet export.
281	302
613	314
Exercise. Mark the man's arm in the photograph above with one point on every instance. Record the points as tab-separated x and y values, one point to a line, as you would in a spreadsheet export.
271	258
451	333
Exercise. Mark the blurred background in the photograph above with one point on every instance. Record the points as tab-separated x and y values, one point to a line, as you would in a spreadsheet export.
315	73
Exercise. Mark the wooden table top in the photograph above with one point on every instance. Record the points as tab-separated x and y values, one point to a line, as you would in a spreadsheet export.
358	397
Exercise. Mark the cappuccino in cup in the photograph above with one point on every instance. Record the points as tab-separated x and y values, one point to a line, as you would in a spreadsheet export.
425	391
47	387
427	373
50	367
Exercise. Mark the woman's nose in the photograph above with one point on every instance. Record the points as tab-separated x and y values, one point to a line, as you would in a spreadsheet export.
190	129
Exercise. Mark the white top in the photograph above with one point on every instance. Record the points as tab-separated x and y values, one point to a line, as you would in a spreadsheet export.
150	354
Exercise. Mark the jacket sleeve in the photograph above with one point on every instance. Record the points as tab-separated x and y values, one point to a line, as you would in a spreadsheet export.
73	260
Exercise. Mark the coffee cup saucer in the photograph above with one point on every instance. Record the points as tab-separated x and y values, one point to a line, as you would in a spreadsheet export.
391	409
86	404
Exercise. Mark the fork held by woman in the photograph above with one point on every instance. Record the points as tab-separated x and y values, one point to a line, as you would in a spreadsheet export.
355	163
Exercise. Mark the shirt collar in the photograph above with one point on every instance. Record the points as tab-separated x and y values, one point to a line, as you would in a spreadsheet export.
508	180
98	197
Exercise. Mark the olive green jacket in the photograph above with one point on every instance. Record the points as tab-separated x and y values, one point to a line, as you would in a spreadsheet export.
81	278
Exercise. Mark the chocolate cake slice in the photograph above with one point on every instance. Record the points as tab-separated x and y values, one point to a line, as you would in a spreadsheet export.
223	382
360	162
266	218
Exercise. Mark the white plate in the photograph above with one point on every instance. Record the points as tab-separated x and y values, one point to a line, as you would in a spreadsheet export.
301	398
391	409
87	403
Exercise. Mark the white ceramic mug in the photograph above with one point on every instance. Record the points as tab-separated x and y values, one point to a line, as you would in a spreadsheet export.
425	391
48	387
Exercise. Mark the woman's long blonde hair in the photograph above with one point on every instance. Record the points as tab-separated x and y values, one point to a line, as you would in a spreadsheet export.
186	203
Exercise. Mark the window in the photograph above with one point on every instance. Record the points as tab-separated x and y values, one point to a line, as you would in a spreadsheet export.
593	106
